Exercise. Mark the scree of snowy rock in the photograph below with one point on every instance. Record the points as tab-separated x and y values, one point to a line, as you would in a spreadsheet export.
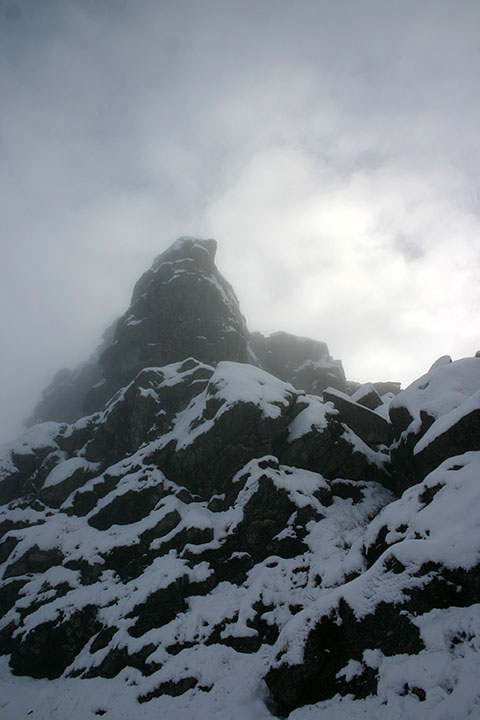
203	522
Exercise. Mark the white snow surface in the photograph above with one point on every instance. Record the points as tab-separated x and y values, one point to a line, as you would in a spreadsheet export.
236	382
314	415
436	520
445	530
65	470
446	527
230	384
448	420
445	387
39	436
362	392
446	670
334	550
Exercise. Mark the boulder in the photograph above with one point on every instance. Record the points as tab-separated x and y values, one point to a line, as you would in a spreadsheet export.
318	440
367	396
434	418
49	649
239	416
372	428
65	477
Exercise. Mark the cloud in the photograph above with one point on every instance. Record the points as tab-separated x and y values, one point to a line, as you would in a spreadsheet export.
329	147
364	261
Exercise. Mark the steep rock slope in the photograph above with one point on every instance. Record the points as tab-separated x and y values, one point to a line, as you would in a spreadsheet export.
218	521
182	306
421	587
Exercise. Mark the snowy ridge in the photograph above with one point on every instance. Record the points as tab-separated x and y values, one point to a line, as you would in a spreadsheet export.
439	391
217	540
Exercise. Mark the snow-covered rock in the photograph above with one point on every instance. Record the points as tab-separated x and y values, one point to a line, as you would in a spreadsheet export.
229	534
436	417
425	550
305	363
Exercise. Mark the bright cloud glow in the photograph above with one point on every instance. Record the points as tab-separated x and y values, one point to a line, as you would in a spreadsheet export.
330	148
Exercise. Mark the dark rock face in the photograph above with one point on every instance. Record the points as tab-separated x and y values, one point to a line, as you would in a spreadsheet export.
456	439
181	307
372	428
51	648
335	451
435	418
305	363
34	561
368	396
231	496
336	639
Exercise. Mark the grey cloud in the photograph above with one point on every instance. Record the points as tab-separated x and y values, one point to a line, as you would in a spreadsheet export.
125	124
409	248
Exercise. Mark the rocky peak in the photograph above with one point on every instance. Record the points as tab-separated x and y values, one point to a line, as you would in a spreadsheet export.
181	307
185	254
185	247
216	523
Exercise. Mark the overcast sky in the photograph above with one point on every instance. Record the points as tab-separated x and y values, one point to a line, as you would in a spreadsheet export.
330	146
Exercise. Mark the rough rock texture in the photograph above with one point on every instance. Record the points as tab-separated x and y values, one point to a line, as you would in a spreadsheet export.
422	551
372	428
436	417
216	521
305	363
423	556
182	306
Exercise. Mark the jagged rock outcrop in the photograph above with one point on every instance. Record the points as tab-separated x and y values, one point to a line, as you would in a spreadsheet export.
436	417
423	557
305	363
242	512
422	552
181	307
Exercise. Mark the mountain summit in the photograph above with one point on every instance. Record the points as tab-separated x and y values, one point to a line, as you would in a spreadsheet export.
182	307
211	523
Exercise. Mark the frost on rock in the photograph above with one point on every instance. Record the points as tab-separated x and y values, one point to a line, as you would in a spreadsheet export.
231	530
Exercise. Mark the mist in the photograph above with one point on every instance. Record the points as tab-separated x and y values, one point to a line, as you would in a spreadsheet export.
330	148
